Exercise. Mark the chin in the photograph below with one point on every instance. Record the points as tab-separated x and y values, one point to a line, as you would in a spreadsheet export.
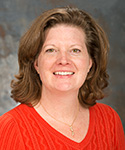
64	88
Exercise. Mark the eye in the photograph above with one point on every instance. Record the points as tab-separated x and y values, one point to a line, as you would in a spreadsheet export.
76	50
49	50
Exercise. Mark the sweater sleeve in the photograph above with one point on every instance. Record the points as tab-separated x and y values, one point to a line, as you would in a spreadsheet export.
120	137
10	136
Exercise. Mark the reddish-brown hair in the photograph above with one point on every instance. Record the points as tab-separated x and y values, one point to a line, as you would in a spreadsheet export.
27	86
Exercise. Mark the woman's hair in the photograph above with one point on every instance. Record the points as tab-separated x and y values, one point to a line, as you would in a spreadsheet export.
27	87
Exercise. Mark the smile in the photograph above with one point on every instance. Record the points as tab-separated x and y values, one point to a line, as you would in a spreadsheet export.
63	73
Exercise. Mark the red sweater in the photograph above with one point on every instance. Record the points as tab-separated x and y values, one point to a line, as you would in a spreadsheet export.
22	128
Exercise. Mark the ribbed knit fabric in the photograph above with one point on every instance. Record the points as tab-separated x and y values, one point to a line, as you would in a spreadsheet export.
23	128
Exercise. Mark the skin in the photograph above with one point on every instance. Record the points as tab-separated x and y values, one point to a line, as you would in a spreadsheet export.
64	50
63	65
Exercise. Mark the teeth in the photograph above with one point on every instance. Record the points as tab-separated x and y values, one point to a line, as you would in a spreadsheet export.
63	73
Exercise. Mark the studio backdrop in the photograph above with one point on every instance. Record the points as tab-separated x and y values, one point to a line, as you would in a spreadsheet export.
17	15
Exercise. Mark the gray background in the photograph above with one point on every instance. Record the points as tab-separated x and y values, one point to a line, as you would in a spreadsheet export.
17	15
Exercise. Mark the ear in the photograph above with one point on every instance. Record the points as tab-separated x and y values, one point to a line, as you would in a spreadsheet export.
36	65
90	64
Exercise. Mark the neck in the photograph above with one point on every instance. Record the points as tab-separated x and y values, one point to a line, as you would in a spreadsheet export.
65	103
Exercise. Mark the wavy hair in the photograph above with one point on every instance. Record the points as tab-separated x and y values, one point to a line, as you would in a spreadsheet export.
26	88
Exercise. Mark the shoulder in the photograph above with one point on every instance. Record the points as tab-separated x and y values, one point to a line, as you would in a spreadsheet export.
19	119
10	133
10	119
108	116
110	122
103	106
107	113
15	116
7	124
105	110
11	115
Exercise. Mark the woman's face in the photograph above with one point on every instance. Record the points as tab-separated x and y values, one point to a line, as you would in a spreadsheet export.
64	62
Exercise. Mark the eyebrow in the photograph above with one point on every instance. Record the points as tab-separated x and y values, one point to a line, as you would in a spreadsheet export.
49	45
77	45
73	45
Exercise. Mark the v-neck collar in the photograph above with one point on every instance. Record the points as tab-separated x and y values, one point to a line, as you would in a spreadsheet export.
62	137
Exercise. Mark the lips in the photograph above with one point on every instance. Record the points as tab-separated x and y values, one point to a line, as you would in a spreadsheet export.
63	73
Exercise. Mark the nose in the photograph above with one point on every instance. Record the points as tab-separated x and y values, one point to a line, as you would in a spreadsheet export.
63	58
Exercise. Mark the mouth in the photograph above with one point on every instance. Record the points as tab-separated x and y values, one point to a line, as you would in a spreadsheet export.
64	73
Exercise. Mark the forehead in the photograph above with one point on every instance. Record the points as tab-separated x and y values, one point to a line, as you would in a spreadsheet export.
61	31
64	25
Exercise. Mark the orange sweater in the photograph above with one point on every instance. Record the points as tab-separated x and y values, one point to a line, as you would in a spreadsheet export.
22	128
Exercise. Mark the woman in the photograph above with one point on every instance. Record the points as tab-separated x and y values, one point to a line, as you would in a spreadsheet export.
62	72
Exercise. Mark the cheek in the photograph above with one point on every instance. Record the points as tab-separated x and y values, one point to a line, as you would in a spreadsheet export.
84	64
41	67
42	63
44	67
